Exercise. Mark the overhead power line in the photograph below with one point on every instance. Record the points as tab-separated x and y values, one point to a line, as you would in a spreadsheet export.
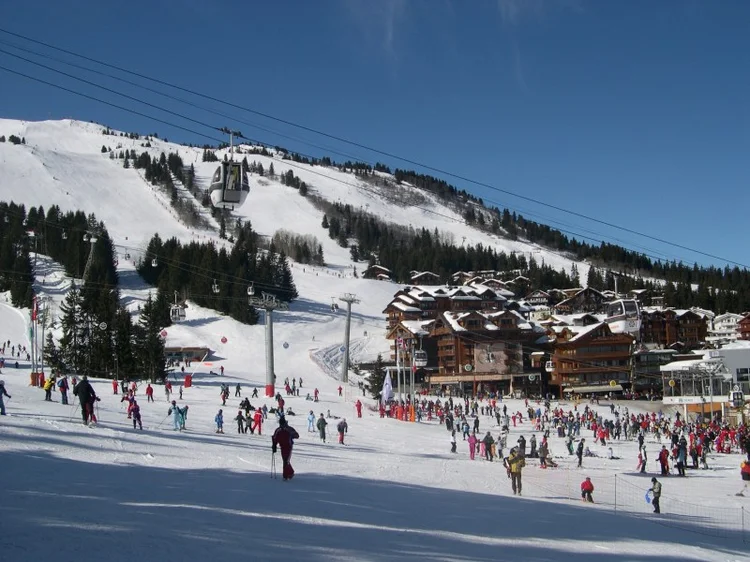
383	152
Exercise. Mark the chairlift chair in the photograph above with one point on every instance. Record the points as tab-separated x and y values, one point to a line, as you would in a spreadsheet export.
215	287
154	263
64	234
250	290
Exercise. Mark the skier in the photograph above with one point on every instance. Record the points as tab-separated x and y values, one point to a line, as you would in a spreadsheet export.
579	452
472	445
664	460
358	405
240	419
522	446
655	489
222	370
258	419
3	392
283	438
315	392
514	464
62	384
85	393
137	416
255	393
49	386
237	390
114	386
149	393
219	419
642	461
342	428
321	425
587	487
453	440
311	422
177	415
340	389
488	441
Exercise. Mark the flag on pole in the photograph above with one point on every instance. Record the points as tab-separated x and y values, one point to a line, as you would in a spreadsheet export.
387	392
34	310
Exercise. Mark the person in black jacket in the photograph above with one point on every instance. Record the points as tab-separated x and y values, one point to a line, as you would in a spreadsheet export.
86	397
579	452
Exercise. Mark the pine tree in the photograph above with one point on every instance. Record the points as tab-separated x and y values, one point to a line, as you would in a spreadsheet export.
51	354
74	341
150	344
376	378
324	224
271	171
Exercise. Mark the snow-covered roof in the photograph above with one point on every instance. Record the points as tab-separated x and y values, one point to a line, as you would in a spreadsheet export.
583	330
417	327
404	308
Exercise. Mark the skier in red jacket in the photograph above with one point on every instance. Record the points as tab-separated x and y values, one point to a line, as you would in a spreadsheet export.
283	438
587	488
358	405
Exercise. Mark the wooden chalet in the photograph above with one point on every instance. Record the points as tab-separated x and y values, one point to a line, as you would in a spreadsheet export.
377	272
424	278
585	300
663	328
587	360
539	298
744	327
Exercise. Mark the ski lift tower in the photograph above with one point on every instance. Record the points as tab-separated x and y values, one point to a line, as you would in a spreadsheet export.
269	303
348	298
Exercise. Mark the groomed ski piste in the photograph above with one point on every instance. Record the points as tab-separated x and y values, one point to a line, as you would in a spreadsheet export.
393	492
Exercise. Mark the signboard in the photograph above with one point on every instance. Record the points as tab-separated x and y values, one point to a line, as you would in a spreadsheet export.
532	377
468	368
692	400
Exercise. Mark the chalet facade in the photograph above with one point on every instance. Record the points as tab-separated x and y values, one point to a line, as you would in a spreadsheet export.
743	326
724	328
377	272
585	300
587	359
673	328
427	302
424	278
539	298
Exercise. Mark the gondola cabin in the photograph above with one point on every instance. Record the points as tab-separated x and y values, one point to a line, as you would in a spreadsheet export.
624	317
420	358
229	186
736	398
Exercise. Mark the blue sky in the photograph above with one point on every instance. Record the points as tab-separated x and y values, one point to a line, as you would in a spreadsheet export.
635	112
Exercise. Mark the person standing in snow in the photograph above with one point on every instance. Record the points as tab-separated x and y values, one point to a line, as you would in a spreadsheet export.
310	422
655	489
283	438
240	419
238	390
472	445
136	411
177	413
86	395
358	406
488	443
579	452
3	393
342	428
587	488
453	440
340	390
322	423
49	386
515	463
62	384
219	420
149	393
257	421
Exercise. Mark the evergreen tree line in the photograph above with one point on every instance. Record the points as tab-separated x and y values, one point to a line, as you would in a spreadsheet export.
403	250
301	248
99	337
16	273
193	270
13	139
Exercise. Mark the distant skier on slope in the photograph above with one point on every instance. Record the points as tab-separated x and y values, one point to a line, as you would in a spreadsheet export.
3	392
283	438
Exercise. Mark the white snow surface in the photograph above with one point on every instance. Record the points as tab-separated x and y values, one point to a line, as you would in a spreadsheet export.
394	492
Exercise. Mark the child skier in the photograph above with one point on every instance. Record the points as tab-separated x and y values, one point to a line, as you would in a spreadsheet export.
342	428
219	419
240	419
136	411
311	422
587	487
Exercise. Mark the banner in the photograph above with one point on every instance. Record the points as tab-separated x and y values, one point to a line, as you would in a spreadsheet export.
387	392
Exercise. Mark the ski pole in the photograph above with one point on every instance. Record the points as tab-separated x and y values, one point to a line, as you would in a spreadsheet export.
162	421
273	465
75	409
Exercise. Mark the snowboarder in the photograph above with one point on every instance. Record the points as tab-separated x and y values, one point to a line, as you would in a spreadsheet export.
342	428
219	420
283	438
587	487
655	489
3	393
149	393
321	425
136	411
